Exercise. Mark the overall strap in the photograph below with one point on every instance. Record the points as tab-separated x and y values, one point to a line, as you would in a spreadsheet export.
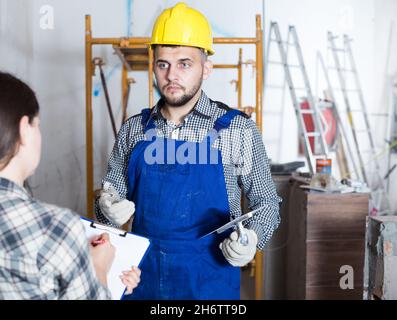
147	122
224	121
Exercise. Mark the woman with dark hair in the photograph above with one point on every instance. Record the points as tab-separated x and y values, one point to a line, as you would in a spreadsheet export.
43	250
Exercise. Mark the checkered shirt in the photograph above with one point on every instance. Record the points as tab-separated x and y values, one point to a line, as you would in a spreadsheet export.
43	251
245	163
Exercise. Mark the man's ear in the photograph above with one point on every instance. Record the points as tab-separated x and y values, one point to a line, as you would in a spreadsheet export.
208	66
24	130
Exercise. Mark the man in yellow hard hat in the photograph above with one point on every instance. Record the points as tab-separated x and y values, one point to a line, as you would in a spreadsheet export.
177	171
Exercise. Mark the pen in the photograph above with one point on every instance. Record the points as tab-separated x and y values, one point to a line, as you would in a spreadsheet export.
97	242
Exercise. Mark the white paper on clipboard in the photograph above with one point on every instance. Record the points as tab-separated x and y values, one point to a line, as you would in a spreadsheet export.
130	250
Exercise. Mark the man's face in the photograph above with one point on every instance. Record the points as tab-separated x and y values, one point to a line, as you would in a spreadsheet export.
179	73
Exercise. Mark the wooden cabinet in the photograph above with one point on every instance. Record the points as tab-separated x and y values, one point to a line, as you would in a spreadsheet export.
275	252
325	233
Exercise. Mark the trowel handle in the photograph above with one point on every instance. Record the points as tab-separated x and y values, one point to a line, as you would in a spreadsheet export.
113	195
243	237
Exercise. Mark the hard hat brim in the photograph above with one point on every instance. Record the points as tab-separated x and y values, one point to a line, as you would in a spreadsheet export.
209	52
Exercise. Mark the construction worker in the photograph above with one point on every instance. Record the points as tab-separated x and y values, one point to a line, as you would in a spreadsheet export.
44	253
177	171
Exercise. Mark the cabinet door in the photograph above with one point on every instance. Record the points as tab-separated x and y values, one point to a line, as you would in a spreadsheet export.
336	217
329	262
335	243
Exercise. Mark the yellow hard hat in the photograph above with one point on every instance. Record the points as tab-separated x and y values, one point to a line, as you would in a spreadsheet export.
183	26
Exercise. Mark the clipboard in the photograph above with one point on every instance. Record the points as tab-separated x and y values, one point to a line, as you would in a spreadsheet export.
131	249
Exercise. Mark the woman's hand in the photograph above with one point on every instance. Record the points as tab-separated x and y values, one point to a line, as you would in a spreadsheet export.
131	279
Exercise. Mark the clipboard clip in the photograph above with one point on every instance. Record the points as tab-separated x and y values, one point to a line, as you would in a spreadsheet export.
116	231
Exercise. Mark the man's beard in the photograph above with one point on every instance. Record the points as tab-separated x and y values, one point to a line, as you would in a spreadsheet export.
181	101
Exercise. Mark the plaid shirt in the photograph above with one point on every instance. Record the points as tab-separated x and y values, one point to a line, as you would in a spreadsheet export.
244	159
43	250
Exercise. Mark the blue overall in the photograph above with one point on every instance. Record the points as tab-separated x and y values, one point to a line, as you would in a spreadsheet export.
175	204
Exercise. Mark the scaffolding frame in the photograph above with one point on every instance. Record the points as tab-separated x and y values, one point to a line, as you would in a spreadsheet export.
143	42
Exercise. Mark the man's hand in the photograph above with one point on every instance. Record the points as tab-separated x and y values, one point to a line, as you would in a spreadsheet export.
102	253
116	211
236	253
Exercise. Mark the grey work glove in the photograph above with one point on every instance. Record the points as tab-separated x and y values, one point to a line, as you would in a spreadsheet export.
115	210
237	254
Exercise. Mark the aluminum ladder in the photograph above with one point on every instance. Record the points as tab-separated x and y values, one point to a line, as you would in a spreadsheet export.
285	48
274	111
343	138
379	195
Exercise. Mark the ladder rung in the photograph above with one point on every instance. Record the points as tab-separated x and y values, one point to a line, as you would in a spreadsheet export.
337	49
307	111
299	88
320	156
313	134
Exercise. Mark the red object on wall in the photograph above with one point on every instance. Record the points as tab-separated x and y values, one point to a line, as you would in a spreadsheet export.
309	124
330	129
330	134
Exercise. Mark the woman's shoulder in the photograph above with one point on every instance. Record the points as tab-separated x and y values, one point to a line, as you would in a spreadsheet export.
50	214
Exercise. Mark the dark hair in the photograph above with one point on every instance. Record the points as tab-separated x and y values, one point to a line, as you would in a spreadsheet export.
16	100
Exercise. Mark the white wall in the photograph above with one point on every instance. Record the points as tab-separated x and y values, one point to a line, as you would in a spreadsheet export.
59	80
16	43
313	19
368	23
52	61
385	73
